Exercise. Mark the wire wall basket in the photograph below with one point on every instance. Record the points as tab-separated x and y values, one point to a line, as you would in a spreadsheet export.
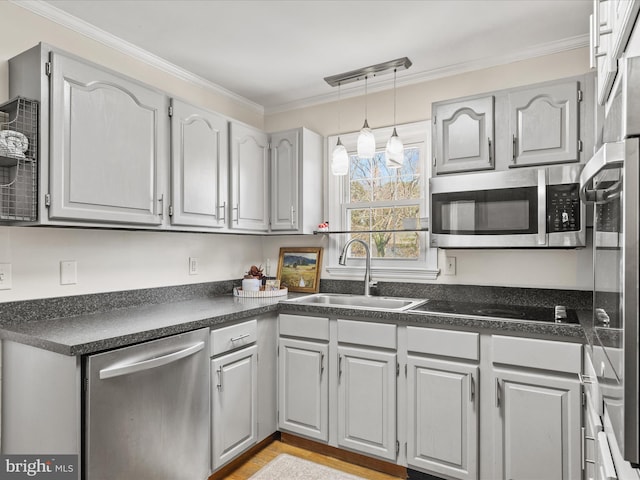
18	160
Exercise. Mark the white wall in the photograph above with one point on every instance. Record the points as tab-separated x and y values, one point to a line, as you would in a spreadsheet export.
110	260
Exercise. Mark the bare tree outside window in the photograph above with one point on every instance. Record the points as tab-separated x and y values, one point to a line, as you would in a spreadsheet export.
380	198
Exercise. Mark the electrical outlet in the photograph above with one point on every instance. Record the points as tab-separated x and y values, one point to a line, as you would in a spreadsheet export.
193	266
450	266
5	276
68	272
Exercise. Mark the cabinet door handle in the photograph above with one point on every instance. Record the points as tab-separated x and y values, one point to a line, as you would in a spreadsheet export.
237	210
339	367
219	372
240	337
583	446
498	399
293	212
161	202
321	364
514	148
223	217
472	388
490	150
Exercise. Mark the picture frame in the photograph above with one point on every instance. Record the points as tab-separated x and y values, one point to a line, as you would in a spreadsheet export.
299	268
272	285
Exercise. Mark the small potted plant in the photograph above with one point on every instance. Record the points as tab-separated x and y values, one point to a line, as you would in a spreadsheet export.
253	279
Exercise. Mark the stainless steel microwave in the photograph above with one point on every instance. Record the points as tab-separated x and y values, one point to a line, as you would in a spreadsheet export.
525	208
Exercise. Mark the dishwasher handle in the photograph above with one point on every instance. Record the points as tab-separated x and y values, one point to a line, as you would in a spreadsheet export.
151	363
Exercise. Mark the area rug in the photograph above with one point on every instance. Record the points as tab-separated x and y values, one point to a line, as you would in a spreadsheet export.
288	467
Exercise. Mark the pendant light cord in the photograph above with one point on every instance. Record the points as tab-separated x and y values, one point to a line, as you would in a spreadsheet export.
394	97
365	97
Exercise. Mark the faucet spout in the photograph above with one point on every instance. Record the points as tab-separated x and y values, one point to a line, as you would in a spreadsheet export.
367	271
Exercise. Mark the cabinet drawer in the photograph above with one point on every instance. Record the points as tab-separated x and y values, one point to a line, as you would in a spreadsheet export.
304	326
449	343
232	337
541	354
381	335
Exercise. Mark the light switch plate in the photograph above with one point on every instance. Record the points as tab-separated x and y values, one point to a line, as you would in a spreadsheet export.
68	272
5	276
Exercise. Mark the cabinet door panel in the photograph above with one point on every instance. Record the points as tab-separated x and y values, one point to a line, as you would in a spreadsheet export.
538	426
303	402
284	180
234	404
249	178
443	421
106	140
464	136
367	401
199	166
544	124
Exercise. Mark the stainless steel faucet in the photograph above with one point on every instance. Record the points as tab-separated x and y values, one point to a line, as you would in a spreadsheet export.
367	272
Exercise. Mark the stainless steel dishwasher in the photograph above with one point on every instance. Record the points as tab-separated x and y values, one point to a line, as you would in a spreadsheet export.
147	411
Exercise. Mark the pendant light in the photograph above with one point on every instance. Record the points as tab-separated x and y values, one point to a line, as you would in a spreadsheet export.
395	149
339	157
366	140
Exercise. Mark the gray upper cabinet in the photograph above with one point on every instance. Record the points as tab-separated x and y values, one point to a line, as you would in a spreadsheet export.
284	180
544	124
296	181
464	135
249	178
199	166
106	142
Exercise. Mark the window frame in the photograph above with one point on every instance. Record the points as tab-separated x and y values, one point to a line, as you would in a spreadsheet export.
425	267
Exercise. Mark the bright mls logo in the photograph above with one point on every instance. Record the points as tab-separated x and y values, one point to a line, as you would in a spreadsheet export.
49	467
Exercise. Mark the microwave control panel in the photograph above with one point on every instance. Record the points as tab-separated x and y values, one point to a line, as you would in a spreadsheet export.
563	208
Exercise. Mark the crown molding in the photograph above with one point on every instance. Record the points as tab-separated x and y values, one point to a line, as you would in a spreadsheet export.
436	73
64	19
61	17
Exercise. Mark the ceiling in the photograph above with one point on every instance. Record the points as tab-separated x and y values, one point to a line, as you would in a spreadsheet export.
276	53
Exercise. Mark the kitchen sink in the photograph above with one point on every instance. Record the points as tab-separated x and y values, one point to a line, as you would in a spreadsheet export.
358	301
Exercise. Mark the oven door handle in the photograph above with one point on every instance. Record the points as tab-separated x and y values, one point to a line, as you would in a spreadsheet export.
542	207
610	155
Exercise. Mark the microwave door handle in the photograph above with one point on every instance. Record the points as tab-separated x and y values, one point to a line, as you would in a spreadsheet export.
610	155
542	207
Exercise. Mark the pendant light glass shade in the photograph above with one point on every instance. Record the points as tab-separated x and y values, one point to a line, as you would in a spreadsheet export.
366	142
394	151
339	159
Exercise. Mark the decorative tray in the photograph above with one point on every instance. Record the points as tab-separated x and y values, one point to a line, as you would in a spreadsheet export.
238	292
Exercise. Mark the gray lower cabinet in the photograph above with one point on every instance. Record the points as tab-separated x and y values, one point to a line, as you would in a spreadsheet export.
464	135
199	167
443	402
303	402
442	426
537	409
234	402
367	401
106	144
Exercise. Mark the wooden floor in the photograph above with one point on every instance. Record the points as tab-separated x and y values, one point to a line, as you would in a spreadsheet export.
274	449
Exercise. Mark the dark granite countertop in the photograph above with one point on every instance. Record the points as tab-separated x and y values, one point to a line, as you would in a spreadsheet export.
89	333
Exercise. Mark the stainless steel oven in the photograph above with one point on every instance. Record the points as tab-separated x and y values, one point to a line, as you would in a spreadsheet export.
534	207
610	180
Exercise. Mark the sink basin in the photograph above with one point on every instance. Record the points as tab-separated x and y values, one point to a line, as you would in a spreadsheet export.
358	301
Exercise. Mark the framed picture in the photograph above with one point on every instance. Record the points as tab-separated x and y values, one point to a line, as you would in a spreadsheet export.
299	268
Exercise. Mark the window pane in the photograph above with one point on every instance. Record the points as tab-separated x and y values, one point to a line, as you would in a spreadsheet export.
360	185
408	177
385	244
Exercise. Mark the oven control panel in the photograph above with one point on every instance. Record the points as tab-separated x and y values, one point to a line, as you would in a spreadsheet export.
563	208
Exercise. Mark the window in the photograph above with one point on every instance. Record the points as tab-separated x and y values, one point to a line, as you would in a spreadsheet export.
381	207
